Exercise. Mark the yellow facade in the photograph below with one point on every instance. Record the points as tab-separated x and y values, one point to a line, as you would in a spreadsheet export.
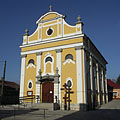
45	36
48	45
50	16
30	75
69	29
69	70
58	56
33	37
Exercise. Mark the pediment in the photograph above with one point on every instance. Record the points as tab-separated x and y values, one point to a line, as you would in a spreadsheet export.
49	16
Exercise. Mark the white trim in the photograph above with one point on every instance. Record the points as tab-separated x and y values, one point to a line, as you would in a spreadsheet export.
79	77
41	31
37	70
71	34
58	27
33	34
38	32
26	38
30	65
103	84
28	84
49	22
62	28
78	26
84	77
53	40
38	21
52	48
106	87
85	74
97	59
98	83
52	64
69	78
91	78
56	89
68	24
22	76
50	25
68	61
59	60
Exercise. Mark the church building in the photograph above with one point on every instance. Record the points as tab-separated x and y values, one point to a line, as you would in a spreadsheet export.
58	53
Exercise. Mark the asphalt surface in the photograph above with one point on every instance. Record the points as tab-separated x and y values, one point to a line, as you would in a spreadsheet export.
109	111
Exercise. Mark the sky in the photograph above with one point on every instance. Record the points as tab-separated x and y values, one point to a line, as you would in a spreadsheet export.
101	20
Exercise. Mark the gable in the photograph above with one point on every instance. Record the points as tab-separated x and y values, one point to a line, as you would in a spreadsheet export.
51	27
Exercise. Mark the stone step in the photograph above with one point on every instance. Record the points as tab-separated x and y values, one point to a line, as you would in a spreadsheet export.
49	106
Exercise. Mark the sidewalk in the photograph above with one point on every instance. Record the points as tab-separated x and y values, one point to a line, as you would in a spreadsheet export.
110	111
36	114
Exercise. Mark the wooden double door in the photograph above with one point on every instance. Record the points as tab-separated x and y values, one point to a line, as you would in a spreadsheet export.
47	92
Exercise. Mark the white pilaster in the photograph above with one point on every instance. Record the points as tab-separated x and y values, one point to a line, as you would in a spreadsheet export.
106	88
56	93
37	73
91	78
84	76
57	88
103	86
79	75
98	84
22	76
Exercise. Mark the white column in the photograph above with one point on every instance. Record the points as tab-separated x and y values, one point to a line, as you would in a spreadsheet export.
106	89
22	76
91	78
103	86
84	75
57	86
98	84
79	75
37	73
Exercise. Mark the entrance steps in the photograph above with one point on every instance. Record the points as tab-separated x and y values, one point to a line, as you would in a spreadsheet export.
48	106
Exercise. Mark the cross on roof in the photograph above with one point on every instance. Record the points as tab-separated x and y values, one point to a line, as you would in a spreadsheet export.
50	8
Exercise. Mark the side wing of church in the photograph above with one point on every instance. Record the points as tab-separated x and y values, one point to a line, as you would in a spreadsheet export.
58	53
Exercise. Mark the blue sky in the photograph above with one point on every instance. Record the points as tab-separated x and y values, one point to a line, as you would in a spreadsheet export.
101	20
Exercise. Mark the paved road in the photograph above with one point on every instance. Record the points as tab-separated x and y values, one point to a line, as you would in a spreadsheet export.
110	111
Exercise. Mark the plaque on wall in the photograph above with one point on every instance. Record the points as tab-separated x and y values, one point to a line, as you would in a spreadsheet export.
29	93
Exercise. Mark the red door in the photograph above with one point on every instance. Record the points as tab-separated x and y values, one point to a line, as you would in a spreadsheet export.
47	92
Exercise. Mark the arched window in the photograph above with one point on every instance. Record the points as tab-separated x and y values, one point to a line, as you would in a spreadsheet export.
68	56
48	59
31	61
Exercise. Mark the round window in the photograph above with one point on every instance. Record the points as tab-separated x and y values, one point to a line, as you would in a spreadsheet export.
50	31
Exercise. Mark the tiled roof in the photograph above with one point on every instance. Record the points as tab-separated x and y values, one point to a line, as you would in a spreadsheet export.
10	84
112	84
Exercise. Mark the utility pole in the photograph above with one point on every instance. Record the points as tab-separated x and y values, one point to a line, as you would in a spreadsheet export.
2	82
